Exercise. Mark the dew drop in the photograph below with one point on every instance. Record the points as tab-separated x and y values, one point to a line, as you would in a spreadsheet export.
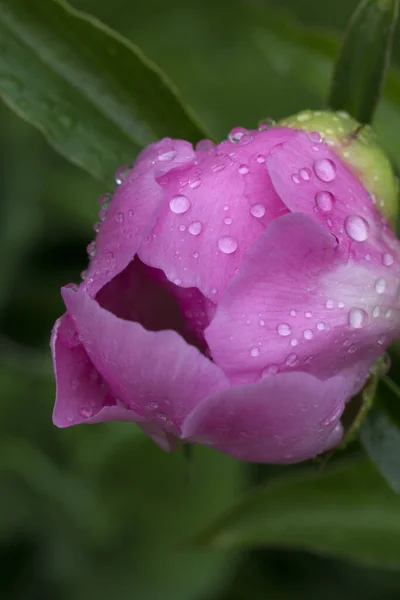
295	178
170	155
91	249
204	145
86	412
325	169
305	174
97	226
105	200
266	124
195	227
194	183
380	286
321	326
119	217
284	329
293	312
255	352
315	137
103	214
260	159
228	220
227	244
387	259
389	313
324	200
357	228
294	342
269	370
291	359
352	349
308	334
244	169
358	318
122	173
257	210
195	255
177	281
182	227
179	204
329	304
376	312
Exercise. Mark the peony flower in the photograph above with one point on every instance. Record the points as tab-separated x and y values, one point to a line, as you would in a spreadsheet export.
237	294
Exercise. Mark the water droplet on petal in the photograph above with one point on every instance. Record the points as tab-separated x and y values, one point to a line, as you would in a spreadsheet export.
122	173
358	318
357	228
376	312
228	220
170	155
308	334
387	259
105	200
177	281
325	169
295	178
227	244
204	145
257	210
255	351
266	124
321	326
293	312
86	412
195	255
330	304
179	204
324	200
261	159
269	370
91	249
305	174
315	137
119	217
352	349
103	214
244	169
195	227
284	329
294	342
389	313
96	227
380	286
194	183
291	359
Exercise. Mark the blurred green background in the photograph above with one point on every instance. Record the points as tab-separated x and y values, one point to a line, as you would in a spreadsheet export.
99	511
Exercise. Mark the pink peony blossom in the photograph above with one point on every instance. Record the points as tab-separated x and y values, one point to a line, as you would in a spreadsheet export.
237	296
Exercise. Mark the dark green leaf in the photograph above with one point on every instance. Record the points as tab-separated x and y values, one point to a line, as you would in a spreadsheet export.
380	434
93	94
363	59
346	511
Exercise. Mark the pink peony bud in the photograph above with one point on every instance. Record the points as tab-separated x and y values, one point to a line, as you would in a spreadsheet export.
237	294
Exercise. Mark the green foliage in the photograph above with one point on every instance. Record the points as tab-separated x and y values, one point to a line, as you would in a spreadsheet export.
363	59
345	511
93	93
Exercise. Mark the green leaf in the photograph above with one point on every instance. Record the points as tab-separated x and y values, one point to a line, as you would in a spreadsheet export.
159	508
347	511
94	95
380	434
363	59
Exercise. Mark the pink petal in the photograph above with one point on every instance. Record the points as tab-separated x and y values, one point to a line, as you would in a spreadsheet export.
296	304
213	210
133	210
82	393
310	178
156	374
283	419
